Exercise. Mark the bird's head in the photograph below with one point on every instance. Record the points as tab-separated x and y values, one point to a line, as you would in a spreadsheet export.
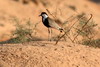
44	15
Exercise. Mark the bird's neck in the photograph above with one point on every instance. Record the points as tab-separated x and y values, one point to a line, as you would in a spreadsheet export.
44	18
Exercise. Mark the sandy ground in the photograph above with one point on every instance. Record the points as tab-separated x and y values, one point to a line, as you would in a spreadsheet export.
44	53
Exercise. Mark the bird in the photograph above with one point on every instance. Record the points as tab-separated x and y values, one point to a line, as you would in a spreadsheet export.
49	23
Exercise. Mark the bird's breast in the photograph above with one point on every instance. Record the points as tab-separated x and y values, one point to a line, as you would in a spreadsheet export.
46	23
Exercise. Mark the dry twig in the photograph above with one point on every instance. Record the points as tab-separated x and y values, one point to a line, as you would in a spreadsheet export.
83	27
65	32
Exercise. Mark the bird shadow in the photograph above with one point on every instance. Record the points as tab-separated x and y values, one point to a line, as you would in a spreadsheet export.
15	41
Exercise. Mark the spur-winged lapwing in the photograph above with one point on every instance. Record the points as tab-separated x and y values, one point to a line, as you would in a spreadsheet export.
49	23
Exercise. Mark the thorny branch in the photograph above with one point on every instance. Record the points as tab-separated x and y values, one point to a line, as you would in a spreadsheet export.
65	33
83	27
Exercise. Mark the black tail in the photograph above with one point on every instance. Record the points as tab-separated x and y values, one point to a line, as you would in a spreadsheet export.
61	29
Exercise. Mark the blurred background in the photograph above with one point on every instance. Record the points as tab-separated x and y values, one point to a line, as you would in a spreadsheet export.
24	10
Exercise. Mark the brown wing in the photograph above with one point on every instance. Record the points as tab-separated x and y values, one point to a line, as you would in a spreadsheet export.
53	24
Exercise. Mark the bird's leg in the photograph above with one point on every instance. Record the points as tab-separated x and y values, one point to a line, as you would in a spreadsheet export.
48	34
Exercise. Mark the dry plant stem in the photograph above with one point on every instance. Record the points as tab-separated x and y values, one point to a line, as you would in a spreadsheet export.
30	36
81	31
60	35
65	33
56	12
60	38
60	12
73	35
70	19
63	36
83	27
51	14
68	37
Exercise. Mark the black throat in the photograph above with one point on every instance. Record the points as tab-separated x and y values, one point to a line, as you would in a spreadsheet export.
46	22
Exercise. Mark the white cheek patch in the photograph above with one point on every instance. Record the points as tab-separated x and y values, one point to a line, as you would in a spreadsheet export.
44	17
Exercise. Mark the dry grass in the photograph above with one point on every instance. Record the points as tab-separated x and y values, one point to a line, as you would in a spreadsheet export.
23	32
